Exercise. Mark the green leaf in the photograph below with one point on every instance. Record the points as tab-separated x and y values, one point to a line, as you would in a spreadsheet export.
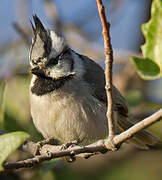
9	143
150	66
2	102
146	68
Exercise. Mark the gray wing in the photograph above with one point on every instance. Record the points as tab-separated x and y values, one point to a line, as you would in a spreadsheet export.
95	76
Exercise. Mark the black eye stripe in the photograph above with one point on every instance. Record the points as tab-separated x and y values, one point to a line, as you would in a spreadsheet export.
54	61
35	62
62	53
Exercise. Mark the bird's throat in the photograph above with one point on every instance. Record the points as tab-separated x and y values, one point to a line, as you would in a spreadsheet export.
42	85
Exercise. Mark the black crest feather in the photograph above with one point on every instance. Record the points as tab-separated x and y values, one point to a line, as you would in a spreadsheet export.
38	24
39	29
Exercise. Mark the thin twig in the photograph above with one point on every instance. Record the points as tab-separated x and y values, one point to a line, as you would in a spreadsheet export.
22	33
108	69
138	127
49	152
53	15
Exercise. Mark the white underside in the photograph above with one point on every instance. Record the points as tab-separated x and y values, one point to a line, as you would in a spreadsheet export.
69	113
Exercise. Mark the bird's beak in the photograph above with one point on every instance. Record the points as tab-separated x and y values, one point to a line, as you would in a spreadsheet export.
37	71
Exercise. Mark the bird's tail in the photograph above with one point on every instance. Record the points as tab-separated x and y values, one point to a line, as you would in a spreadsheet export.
143	139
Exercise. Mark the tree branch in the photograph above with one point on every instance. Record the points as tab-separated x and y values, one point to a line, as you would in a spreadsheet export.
48	152
108	70
22	33
138	127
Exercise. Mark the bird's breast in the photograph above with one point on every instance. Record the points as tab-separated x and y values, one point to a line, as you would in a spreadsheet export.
69	114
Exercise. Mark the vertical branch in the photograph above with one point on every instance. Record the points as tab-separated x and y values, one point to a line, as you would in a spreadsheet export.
22	12
22	33
108	70
53	15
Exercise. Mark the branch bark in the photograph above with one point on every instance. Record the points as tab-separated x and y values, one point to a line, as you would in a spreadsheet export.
48	152
22	33
108	70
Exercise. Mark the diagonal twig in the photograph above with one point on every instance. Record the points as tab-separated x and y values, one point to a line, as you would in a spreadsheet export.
22	33
49	152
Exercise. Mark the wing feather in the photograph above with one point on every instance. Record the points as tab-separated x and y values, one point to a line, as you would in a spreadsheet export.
95	76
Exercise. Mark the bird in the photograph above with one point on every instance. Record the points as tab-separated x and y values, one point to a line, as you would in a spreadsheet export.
67	93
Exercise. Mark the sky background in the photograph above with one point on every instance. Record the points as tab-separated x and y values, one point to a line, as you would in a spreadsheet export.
125	16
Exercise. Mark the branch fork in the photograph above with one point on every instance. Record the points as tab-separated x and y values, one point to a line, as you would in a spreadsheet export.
48	152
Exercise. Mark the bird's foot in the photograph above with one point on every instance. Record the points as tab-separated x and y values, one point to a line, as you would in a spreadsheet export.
68	145
40	144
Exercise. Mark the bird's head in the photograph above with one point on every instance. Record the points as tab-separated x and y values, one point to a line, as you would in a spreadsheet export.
50	56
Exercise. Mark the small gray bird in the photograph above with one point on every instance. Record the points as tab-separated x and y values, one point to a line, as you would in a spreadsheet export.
67	93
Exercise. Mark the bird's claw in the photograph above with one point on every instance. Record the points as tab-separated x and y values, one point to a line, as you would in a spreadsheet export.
40	144
70	144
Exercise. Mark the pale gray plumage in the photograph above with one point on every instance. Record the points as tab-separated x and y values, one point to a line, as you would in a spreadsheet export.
67	93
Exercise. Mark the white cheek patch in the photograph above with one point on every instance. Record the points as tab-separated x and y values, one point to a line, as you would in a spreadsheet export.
58	44
33	80
78	65
58	73
78	69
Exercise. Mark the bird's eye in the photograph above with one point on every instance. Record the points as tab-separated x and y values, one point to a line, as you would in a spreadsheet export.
53	61
36	61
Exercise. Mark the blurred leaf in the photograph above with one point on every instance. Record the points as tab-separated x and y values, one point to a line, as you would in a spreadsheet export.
17	108
134	97
17	100
46	175
49	165
10	123
146	68
150	66
9	143
70	174
2	103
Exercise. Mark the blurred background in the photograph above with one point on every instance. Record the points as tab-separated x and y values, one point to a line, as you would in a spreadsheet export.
78	21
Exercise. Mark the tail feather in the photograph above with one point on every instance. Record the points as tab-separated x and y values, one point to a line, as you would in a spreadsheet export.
142	139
